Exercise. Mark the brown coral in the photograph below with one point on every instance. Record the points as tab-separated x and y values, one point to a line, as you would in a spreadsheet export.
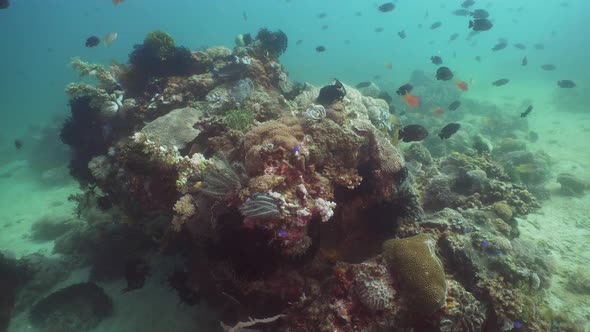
270	140
414	262
373	286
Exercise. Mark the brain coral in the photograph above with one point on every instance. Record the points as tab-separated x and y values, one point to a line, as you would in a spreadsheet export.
372	284
421	275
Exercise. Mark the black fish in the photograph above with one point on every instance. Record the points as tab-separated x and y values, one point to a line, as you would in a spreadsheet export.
500	45
385	96
18	144
136	272
461	12
449	130
467	3
520	46
298	42
4	4
331	93
363	84
525	61
436	60
454	105
480	24
386	7
402	34
480	13
379	29
453	37
548	67
435	25
527	112
444	74
501	82
567	84
320	49
412	133
92	41
404	89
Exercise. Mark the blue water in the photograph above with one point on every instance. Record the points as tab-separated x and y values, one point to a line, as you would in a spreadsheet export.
39	38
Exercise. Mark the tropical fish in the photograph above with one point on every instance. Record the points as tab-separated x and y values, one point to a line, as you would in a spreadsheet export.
363	84
388	65
462	85
402	34
480	13
92	41
480	24
568	84
449	130
438	111
412	101
548	67
461	12
386	7
500	82
525	61
110	38
527	112
379	29
18	144
4	4
320	49
468	3
116	2
454	105
435	25
444	74
404	89
413	133
436	60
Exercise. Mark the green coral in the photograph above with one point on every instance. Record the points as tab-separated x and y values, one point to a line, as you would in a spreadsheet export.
420	272
239	119
160	42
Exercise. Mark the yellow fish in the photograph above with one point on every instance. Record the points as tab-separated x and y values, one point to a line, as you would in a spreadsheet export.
110	38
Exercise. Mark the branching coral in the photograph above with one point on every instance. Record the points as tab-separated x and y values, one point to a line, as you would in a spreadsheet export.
105	78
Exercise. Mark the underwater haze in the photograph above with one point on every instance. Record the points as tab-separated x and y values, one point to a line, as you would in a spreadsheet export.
280	165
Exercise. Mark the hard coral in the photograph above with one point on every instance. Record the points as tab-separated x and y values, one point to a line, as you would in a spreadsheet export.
373	286
269	142
414	263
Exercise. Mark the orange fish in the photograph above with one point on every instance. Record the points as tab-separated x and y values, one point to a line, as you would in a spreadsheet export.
438	111
462	85
116	2
412	101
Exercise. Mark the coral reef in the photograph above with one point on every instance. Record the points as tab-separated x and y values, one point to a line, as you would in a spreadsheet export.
299	203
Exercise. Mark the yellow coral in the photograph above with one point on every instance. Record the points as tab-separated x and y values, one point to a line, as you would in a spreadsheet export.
415	264
502	210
